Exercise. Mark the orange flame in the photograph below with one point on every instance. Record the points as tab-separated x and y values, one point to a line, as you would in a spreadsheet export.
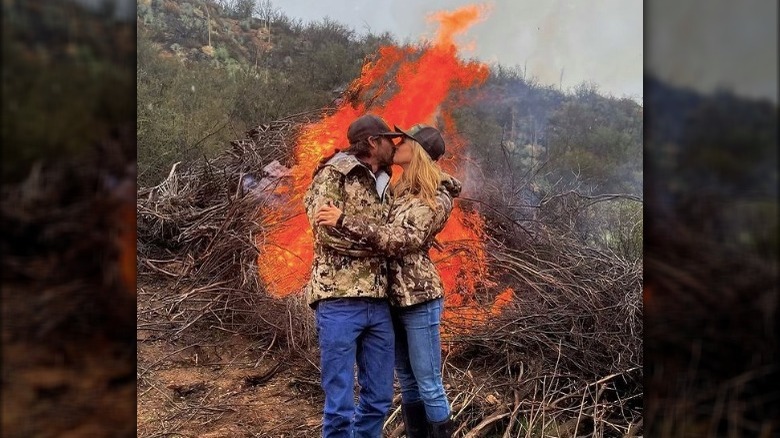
421	80
457	22
286	256
471	314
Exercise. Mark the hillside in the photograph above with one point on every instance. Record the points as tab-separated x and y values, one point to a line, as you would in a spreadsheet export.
67	82
221	76
327	53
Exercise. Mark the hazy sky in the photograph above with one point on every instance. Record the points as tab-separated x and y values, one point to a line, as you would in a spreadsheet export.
704	44
711	44
598	41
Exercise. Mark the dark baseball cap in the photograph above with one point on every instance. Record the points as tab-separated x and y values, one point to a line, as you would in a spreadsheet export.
369	125
429	138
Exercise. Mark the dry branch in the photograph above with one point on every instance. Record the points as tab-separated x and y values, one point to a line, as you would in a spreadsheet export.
200	226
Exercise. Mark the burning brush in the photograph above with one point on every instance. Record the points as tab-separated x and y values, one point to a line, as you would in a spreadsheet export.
405	86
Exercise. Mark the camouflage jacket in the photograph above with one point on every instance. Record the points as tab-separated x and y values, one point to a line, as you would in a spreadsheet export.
407	238
343	266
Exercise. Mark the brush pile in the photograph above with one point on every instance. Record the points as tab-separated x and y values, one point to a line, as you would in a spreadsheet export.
563	357
68	305
63	234
200	227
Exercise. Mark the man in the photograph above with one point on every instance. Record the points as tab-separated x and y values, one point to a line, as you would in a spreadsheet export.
349	282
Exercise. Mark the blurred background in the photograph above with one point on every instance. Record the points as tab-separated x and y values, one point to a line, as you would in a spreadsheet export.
68	218
711	243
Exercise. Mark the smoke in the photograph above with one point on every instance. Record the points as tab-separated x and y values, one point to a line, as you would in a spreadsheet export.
598	41
577	42
472	177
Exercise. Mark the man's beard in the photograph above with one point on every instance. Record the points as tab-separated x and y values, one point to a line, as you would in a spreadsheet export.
389	161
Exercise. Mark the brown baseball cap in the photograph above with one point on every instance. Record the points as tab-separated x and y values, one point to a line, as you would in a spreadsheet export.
369	125
428	137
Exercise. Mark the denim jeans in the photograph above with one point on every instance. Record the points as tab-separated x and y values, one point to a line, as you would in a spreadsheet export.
418	357
355	331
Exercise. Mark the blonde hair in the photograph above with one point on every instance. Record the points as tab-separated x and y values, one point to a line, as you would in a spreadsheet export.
421	178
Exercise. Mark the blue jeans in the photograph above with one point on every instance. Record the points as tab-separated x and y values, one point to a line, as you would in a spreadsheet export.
418	357
350	331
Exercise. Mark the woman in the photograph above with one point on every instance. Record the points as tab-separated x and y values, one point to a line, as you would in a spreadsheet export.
422	202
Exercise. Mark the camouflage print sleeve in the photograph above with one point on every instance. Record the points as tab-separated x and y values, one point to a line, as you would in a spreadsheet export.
327	187
445	201
407	231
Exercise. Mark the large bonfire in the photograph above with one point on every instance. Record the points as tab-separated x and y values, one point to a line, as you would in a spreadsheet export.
543	337
405	86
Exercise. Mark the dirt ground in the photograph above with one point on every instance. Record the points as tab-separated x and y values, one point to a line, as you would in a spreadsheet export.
211	383
62	384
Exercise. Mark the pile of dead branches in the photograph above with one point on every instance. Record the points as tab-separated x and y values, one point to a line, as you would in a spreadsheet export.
60	239
564	356
199	228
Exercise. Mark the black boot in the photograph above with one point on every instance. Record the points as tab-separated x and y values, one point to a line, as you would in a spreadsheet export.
442	429
415	420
